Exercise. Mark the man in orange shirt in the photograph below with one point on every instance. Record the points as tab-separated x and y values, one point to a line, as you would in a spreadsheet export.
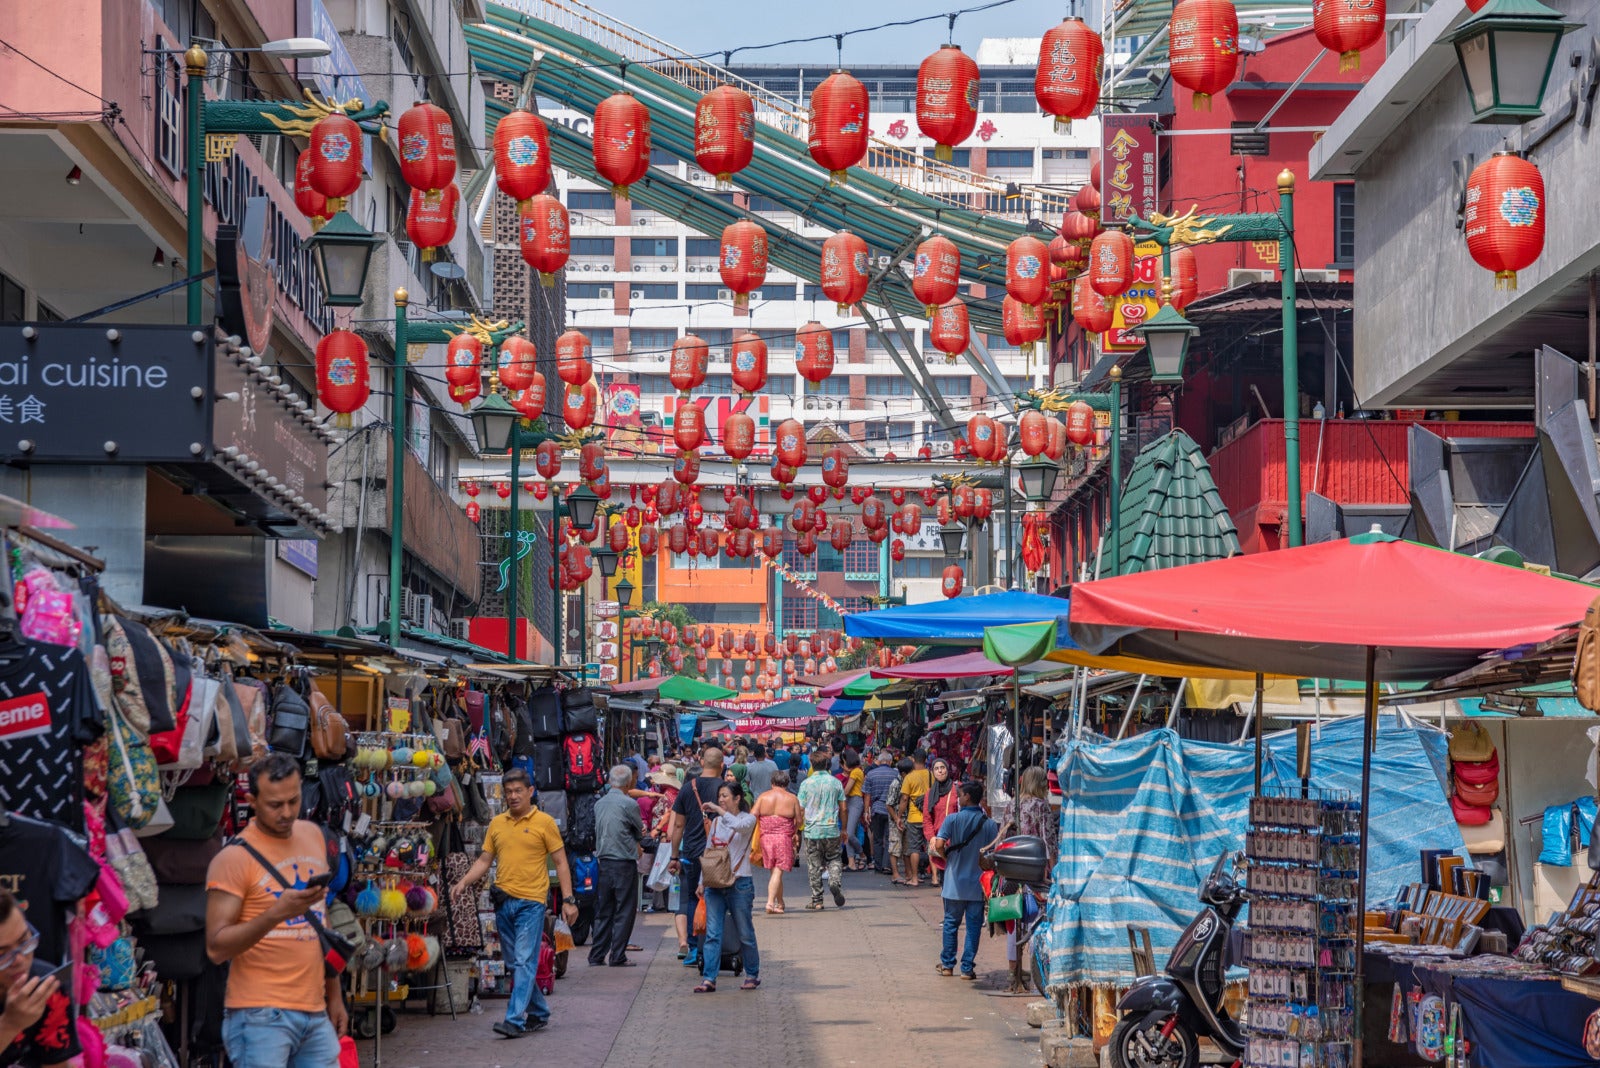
280	1010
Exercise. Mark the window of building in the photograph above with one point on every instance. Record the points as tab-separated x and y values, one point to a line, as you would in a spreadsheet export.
1010	158
917	567
660	157
889	386
761	203
654	246
769	291
719	341
169	112
594	246
799	613
590	200
960	157
835	385
655	386
602	341
704	247
861	558
877	432
588	291
1344	225
1019	383
13	301
643	340
653	290
703	291
47	314
1063	153
1000	204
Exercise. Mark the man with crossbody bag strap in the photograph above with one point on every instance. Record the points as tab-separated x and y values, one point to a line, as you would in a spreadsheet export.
688	838
264	912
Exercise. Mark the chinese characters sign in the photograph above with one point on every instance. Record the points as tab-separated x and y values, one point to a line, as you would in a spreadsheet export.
71	392
1129	151
1140	302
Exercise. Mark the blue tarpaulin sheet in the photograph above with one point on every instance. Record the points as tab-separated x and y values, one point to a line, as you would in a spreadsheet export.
961	620
1144	819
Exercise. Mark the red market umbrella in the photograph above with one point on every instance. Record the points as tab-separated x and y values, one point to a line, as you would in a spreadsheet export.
1316	610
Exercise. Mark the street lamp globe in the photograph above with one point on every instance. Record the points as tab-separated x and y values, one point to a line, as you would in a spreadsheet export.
1506	52
950	537
494	422
606	557
581	506
1038	479
1167	335
624	593
342	251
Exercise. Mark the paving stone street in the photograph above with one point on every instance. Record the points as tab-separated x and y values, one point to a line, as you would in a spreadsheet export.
850	986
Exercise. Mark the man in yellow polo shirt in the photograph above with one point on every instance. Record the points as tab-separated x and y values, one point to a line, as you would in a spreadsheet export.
912	791
523	840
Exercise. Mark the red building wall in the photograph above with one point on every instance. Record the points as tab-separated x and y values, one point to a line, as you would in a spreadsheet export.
1202	170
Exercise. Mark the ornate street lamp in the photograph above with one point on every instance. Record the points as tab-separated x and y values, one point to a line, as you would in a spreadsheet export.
342	251
624	592
1167	335
1038	479
606	557
494	422
581	507
951	537
1506	52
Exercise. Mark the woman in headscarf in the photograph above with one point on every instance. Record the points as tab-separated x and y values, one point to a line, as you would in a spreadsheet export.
739	775
942	802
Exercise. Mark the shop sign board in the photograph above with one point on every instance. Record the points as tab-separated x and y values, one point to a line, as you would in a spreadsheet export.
1130	151
1139	303
608	673
606	609
300	554
98	393
259	424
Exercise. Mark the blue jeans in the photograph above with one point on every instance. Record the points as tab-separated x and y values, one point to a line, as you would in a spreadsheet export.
279	1038
521	927
852	830
954	911
734	901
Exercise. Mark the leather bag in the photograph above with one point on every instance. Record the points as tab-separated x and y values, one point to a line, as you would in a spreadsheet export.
1469	742
1469	815
290	722
329	731
1476	772
1479	794
1586	662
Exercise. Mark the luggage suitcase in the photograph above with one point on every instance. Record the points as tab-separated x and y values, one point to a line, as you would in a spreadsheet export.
732	962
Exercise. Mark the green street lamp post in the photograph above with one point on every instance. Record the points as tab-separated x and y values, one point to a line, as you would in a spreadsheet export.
1167	335
1506	53
342	251
1114	525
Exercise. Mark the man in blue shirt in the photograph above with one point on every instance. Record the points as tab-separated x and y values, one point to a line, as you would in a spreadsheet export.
959	841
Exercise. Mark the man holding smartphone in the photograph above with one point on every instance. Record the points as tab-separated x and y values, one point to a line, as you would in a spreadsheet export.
36	1027
280	1010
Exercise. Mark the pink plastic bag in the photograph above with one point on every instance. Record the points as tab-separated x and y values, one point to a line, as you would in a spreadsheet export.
348	1058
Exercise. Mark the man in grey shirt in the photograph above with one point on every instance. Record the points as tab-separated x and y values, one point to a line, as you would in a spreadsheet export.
619	834
760	770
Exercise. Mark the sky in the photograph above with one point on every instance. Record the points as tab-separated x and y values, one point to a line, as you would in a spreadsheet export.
706	26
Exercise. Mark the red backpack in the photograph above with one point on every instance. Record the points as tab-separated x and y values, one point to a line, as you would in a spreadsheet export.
583	762
545	975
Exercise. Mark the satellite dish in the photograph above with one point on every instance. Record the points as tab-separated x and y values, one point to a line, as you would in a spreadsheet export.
1251	46
447	270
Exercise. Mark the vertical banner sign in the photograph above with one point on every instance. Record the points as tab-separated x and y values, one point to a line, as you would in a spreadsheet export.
1140	302
1129	149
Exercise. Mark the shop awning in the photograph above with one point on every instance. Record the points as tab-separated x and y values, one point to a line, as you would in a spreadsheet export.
959	621
861	684
794	709
960	666
683	688
1316	610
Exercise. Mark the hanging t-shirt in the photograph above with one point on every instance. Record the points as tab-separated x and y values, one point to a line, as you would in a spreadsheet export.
47	715
53	1038
49	869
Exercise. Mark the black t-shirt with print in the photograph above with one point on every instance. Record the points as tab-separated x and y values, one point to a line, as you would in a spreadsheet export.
47	715
688	805
53	1039
50	870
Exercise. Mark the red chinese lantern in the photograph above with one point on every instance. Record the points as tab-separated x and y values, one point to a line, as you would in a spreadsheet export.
897	550
431	219
813	357
1057	445
1033	432
1023	324
617	538
772	543
688	425
1185	277
648	541
724	133
1111	263
515	363
678	539
1347	28
502	490
463	362
818	494
936	272
947	99
1087	201
1203	47
835	467
743	260
312	204
547	460
983	505
521	156
579	404
878	535
845	270
950	585
806	544
686	467
690	358
470	488
427	147
1505	216
591	461
839	131
529	402
949	330
738	435
342	374
910	518
621	141
897	496
1080	423
873	514
466	393
572	358
1028	270
546	237
335	150
783	474
1090	310
1077	228
1067	81
474	511
840	534
749	362
803	517
740	514
981	436
708	541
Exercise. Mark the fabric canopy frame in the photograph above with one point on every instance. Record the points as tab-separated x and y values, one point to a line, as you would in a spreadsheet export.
958	621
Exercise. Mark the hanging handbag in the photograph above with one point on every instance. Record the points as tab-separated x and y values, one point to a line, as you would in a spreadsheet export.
716	863
1004	908
336	948
290	722
134	783
329	730
756	856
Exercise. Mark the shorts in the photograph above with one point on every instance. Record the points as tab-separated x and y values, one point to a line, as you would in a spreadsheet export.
914	840
894	839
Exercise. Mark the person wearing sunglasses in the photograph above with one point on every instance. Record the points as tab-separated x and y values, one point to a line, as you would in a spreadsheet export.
36	1026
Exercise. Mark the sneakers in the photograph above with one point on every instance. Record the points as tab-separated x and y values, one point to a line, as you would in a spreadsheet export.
535	1025
838	895
509	1030
692	960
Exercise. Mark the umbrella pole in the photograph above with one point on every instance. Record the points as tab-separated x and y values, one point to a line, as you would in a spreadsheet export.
1016	742
1133	703
1258	714
1369	736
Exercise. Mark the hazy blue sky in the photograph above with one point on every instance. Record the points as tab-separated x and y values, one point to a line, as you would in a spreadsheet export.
700	26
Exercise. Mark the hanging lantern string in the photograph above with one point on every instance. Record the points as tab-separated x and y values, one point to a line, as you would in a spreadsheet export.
838	47
953	16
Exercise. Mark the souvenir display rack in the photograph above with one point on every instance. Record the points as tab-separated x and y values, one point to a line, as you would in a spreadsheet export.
1303	855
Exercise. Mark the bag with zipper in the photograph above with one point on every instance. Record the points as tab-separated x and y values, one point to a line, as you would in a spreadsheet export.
330	732
132	778
290	722
544	713
578	713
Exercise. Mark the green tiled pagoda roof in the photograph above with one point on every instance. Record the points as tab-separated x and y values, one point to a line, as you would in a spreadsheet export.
1171	511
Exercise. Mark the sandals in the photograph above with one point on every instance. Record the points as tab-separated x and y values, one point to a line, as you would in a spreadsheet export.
942	970
815	906
750	984
706	988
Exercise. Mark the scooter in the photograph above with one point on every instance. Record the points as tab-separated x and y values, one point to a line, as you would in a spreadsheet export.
1165	1015
1023	859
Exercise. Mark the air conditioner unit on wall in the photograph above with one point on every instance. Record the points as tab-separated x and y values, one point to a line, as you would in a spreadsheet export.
636	294
461	629
607	293
724	294
1317	276
1244	276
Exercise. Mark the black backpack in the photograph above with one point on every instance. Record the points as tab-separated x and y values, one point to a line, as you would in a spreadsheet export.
544	712
577	708
580	835
549	766
526	737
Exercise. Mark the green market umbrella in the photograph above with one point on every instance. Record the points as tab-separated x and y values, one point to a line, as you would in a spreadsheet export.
1014	645
683	688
